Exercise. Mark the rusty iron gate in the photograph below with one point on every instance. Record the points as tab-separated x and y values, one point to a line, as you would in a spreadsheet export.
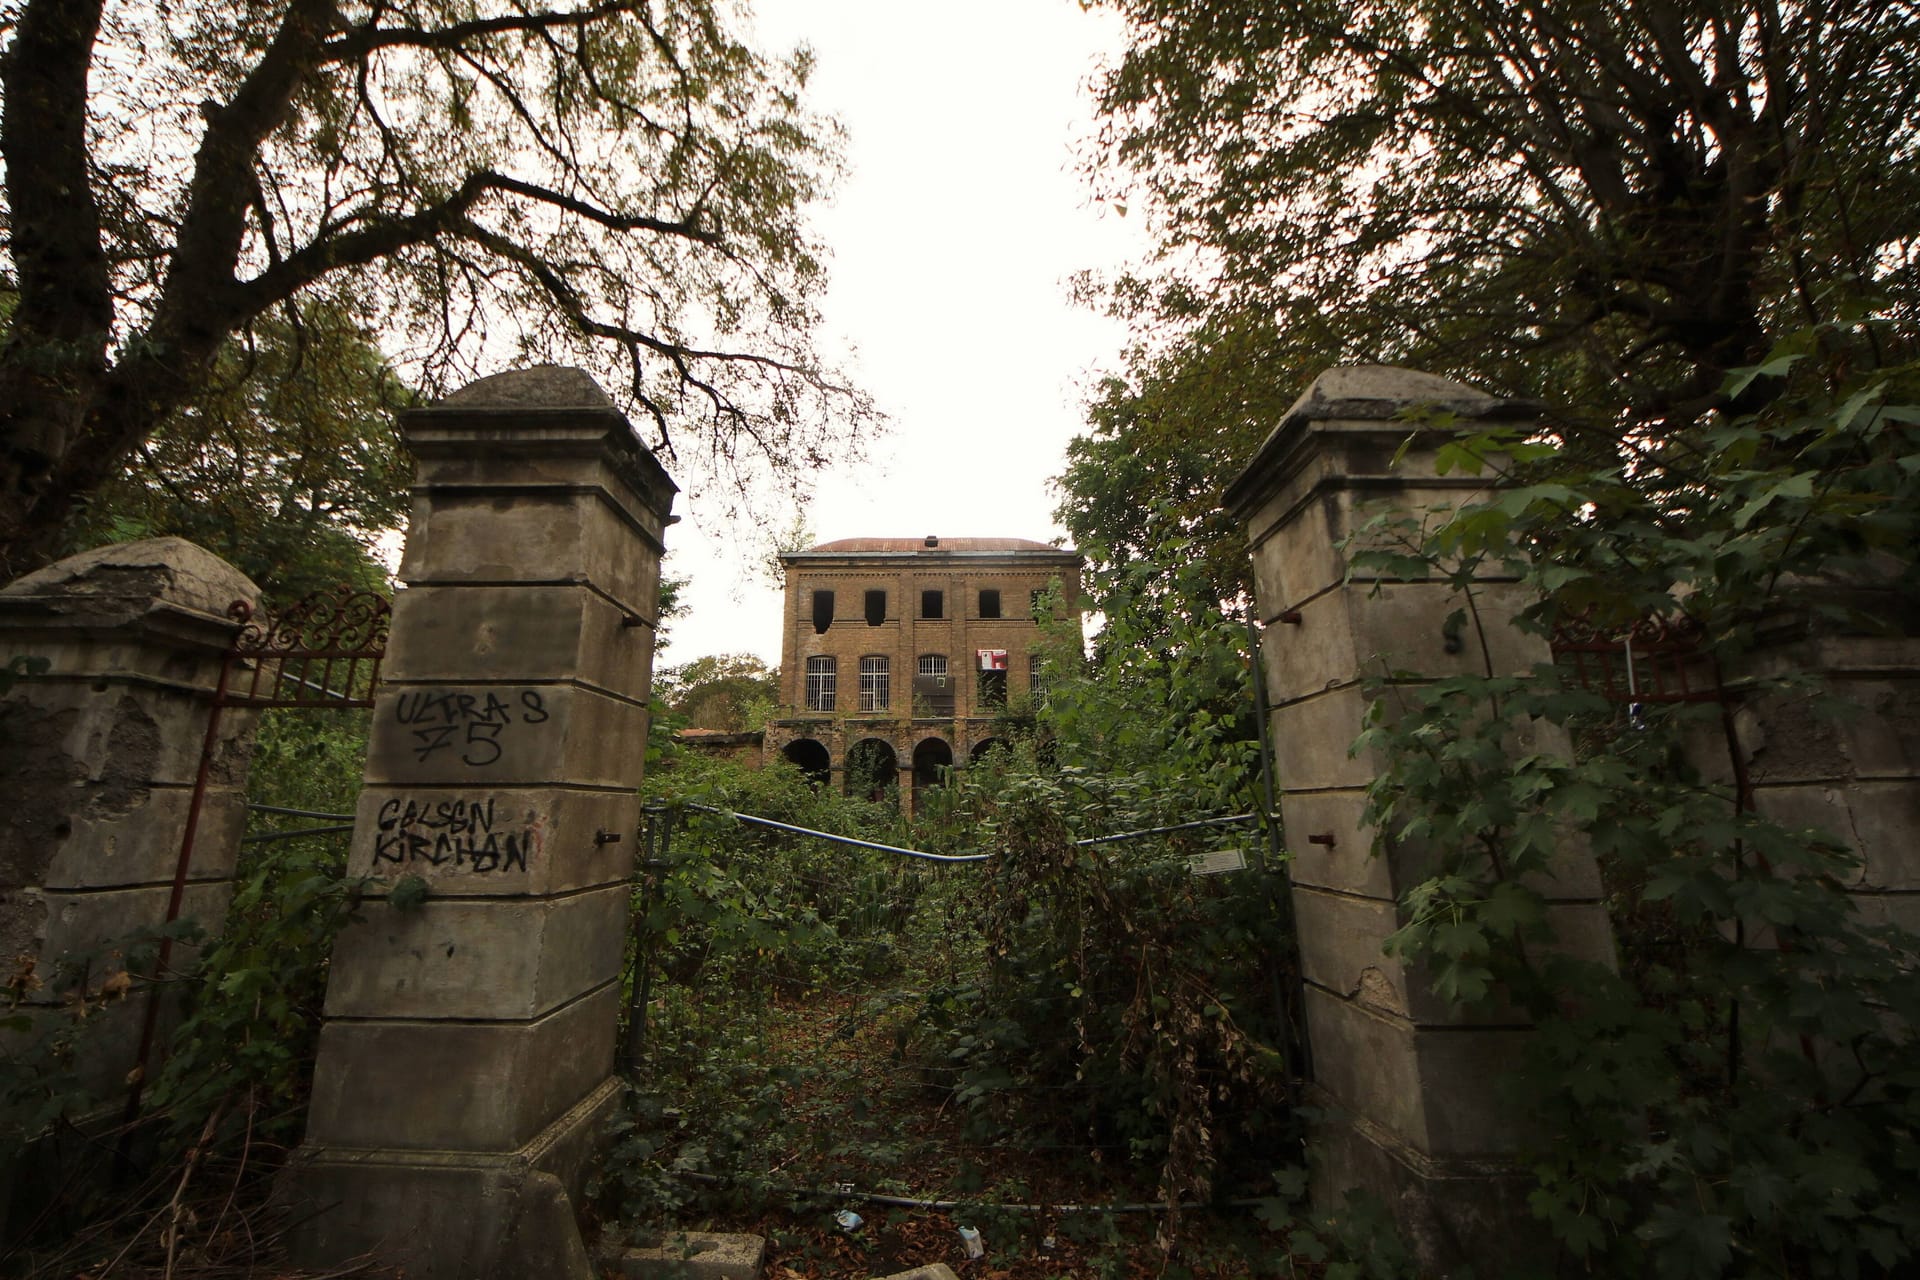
322	653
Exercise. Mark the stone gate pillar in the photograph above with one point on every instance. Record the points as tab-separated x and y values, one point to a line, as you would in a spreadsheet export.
1412	1089
468	1054
97	765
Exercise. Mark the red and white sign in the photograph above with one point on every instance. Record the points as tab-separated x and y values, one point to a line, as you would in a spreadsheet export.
992	659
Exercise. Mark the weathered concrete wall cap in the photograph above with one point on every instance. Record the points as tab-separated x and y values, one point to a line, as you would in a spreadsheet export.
172	570
1382	390
546	386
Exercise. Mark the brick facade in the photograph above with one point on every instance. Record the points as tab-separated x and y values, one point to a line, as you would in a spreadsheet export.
882	621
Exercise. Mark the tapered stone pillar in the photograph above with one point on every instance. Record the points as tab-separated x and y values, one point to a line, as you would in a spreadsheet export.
98	759
467	1058
1411	1089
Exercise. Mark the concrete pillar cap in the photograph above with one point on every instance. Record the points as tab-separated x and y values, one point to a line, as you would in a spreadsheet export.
1382	390
127	578
546	386
1364	399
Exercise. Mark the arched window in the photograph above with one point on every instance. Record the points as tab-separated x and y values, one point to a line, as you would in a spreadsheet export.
932	763
810	758
873	771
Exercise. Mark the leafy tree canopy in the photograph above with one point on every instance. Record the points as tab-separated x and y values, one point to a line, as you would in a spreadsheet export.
730	691
1165	439
1612	201
287	465
1608	205
614	183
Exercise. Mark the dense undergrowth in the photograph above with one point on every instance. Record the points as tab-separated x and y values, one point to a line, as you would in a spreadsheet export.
1080	1020
1066	1020
170	1172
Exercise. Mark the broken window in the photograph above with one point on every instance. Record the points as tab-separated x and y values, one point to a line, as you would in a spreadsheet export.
933	604
993	677
821	675
932	688
876	608
989	602
822	611
875	679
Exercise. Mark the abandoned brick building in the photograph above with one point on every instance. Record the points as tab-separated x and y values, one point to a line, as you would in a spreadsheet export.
900	655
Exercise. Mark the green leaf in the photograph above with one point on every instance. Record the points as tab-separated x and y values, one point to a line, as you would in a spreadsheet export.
407	893
1778	367
1798	485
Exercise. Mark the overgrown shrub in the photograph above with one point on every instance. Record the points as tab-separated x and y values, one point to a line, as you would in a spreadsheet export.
1743	1096
251	1028
1121	1003
733	922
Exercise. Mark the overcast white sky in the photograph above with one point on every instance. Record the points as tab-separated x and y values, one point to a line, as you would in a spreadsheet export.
952	240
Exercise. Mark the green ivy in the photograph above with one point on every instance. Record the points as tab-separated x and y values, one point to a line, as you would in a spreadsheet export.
1740	1096
252	1023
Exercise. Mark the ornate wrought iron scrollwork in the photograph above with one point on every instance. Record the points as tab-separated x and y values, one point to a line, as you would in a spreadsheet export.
323	651
338	620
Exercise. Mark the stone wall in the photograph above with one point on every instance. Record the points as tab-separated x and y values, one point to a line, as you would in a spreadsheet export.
98	759
1820	728
1841	755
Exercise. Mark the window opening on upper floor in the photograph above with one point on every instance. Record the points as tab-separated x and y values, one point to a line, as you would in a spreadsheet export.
993	677
932	690
876	679
933	604
822	674
822	611
989	602
876	608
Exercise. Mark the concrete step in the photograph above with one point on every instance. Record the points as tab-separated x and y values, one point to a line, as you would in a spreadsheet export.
691	1255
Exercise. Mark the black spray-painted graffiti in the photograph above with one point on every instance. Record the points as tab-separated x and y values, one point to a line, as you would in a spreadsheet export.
471	722
456	833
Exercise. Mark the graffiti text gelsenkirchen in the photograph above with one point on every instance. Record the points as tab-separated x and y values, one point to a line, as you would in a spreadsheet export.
472	723
454	833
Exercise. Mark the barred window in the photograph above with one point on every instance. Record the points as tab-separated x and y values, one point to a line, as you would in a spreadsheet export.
875	679
821	673
1036	675
933	664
